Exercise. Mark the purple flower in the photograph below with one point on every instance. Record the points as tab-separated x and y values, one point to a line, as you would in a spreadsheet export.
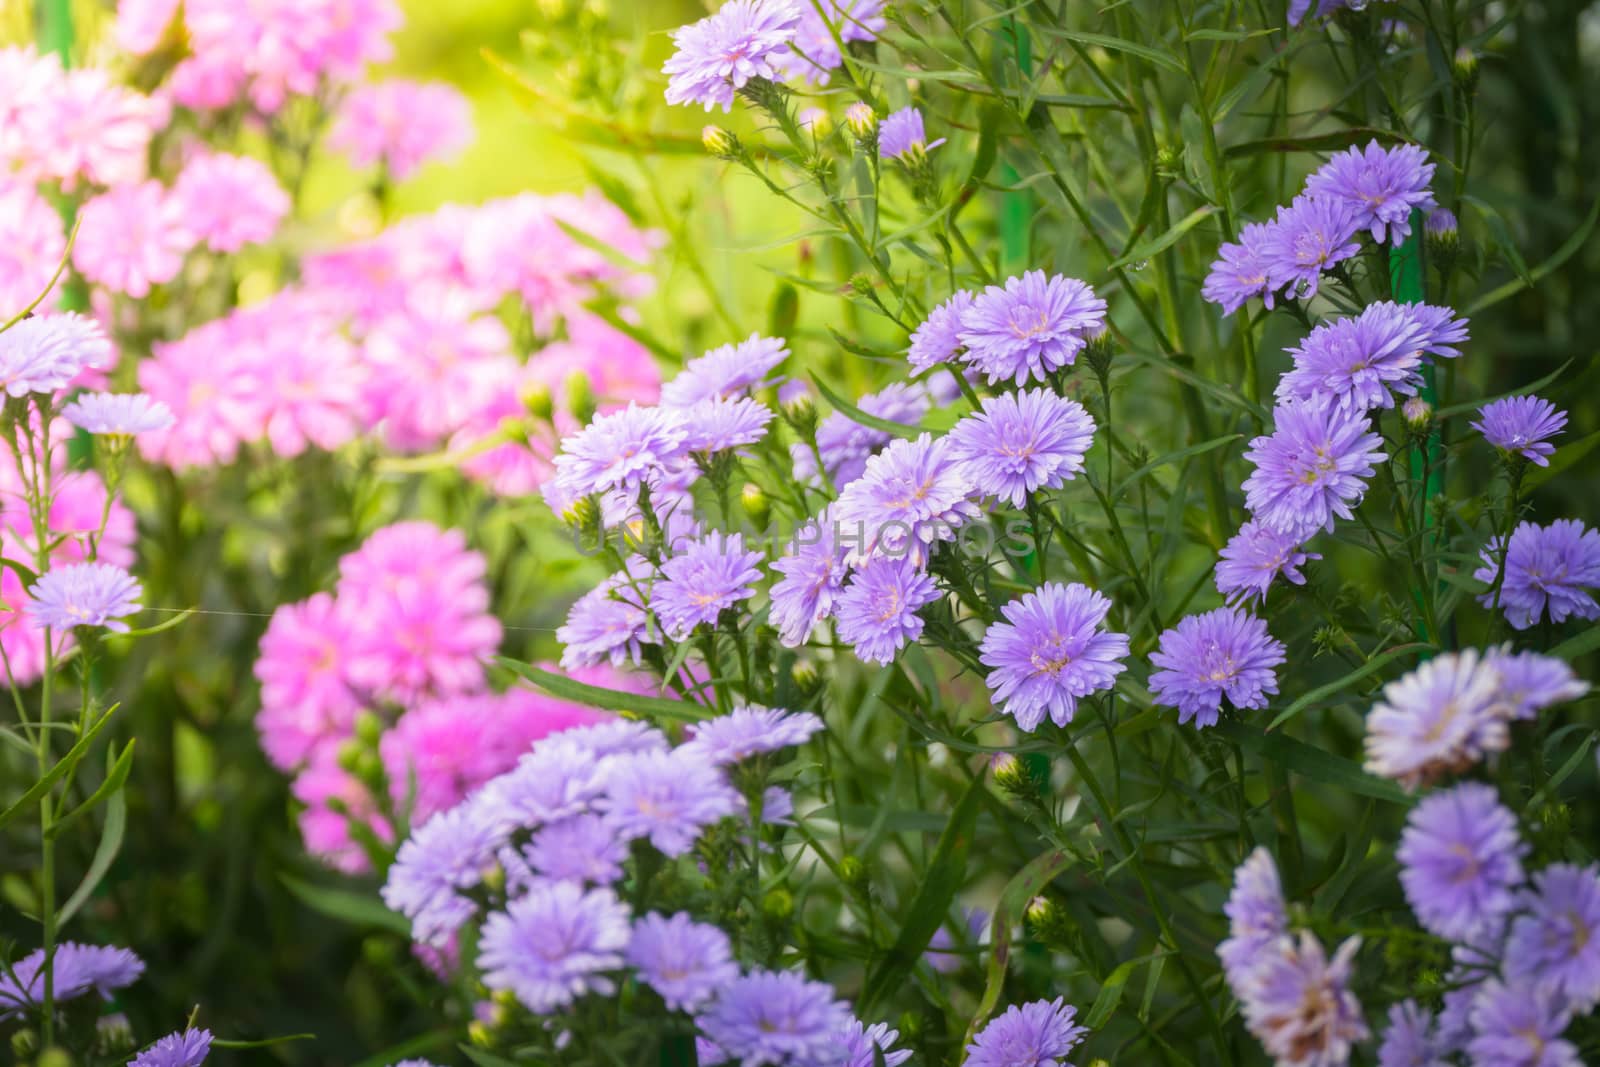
877	612
554	944
1442	717
1410	1040
1311	468
1298	9
684	961
945	954
1530	682
1358	361
619	450
1257	917
718	425
668	797
579	848
1037	1034
911	495
1460	860
439	861
939	337
743	40
1442	224
1256	555
74	970
1051	652
83	594
1522	425
182	1048
43	353
704	579
749	731
1514	1026
776	1018
1546	567
604	627
1240	271
1556	945
615	737
1033	326
813	577
817	52
1308	237
845	445
1023	442
1298	1003
117	414
1381	185
862	1044
901	135
726	372
558	779
1222	653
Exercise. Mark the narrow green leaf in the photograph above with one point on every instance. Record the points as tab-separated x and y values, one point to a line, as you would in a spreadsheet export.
594	696
104	853
1572	763
116	777
65	764
1581	645
1157	245
856	415
1172	457
1313	763
1524	390
359	909
1318	142
160	627
1566	457
1023	887
783	311
484	1059
265	1042
1117	44
1579	238
1372	666
1105	1002
409	1048
947	869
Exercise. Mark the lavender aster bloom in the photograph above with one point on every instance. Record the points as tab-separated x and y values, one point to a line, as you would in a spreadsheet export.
901	135
579	848
75	970
1257	918
1362	362
1382	185
182	1048
816	52
1222	653
1514	1026
666	797
439	861
554	944
1530	682
704	579
1037	1034
1460	860
117	414
619	450
616	737
684	961
718	425
558	779
1256	555
1311	468
1298	8
44	353
1240	271
845	445
1410	1039
776	1018
1299	1006
877	612
1546	567
862	1044
726	372
723	52
1050	652
939	337
1033	326
1556	945
609	623
1023	442
911	495
1308	237
813	577
1442	717
83	594
749	731
1522	425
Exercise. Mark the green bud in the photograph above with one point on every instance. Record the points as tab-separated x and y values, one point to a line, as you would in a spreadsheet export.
861	284
778	904
1017	776
369	768
720	143
479	1034
493	878
349	755
756	505
1049	921
1465	68
1417	413
113	1034
538	402
24	1043
1102	346
580	396
910	1026
369	727
860	119
54	1056
852	871
1169	162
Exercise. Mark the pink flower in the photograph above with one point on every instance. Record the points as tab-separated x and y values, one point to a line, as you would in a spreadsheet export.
307	707
92	129
618	369
402	124
141	24
432	367
229	201
27	81
216	407
206	83
327	832
132	238
31	242
310	377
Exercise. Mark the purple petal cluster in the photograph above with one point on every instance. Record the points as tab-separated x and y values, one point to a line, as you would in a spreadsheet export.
912	495
182	1048
667	798
845	445
1034	325
1222	653
719	425
813	577
76	969
1461	861
1038	1034
684	961
702	580
1530	682
726	372
723	52
1020	443
609	624
817	51
619	450
1311	468
1298	1004
83	594
1547	570
553	944
901	135
1556	944
1440	718
43	353
877	612
1381	186
117	414
1411	1039
436	866
1240	271
749	731
1257	916
579	848
1255	556
1050	652
862	1045
1365	361
1309	237
1523	426
1514	1026
776	1018
938	339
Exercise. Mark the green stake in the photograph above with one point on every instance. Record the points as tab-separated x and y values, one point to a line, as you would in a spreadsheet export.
1406	281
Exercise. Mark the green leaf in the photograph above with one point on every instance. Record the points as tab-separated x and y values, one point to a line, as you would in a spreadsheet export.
1566	457
1372	666
1318	142
856	415
1023	887
1474	405
1572	763
351	907
409	1049
265	1042
1579	238
1581	645
116	776
1172	457
1105	1002
1117	44
146	631
105	852
66	763
947	869
594	696
783	311
1313	763
1157	245
484	1059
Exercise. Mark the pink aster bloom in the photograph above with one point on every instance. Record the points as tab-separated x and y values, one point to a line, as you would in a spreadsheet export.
230	201
91	129
141	24
432	367
402	124
312	386
207	82
326	832
131	239
216	407
27	82
31	244
307	705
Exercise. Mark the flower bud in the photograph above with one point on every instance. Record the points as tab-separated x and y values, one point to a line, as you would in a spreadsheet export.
1018	775
852	871
369	727
1417	413
113	1034
1102	346
24	1043
720	143
349	755
580	396
756	505
539	403
54	1056
860	119
778	904
1169	162
369	768
1465	68
816	121
493	877
1441	235
479	1034
861	284
1049	921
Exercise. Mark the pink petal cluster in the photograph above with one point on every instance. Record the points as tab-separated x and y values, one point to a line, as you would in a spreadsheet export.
31	243
229	201
433	366
132	238
402	125
73	126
